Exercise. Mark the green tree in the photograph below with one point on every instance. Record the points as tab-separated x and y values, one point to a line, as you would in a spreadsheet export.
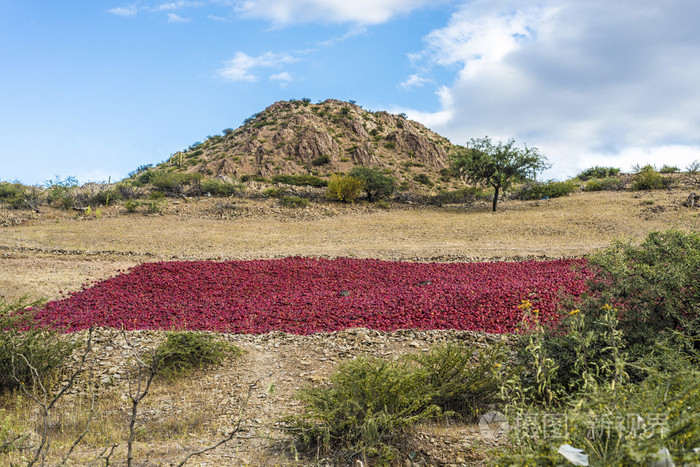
497	165
377	185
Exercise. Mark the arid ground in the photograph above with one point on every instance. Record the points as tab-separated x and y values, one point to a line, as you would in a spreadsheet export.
42	254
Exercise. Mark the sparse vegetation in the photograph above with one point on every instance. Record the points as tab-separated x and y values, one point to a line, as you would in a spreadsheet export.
215	187
648	178
184	351
607	183
550	189
294	202
26	352
344	188
598	172
321	160
300	180
376	184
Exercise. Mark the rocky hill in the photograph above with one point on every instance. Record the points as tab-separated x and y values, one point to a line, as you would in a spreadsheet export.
299	137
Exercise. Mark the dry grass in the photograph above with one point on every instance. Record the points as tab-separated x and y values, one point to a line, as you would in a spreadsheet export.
57	251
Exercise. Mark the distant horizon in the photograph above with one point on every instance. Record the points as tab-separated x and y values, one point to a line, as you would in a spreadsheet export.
95	91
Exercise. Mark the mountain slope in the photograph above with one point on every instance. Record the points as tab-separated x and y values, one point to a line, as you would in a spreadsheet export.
298	137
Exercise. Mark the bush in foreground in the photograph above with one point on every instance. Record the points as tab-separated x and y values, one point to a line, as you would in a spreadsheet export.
371	401
23	347
185	351
656	285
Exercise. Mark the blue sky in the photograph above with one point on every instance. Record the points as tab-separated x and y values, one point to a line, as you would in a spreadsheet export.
93	89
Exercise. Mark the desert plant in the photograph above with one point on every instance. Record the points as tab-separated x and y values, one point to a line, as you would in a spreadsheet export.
656	285
155	206
648	178
131	205
607	183
598	172
300	180
550	189
254	178
218	187
423	179
185	350
365	407
61	190
105	197
321	160
25	349
669	169
294	202
273	192
344	188
19	196
614	420
172	184
462	379
376	184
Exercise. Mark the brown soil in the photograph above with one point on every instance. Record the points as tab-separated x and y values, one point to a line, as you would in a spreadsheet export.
55	250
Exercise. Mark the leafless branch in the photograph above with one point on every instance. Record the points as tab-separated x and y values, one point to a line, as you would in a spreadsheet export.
233	433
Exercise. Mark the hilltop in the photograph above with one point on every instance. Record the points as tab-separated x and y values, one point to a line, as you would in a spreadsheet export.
297	137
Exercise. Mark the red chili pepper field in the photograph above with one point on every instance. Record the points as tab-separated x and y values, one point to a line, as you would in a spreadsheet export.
304	295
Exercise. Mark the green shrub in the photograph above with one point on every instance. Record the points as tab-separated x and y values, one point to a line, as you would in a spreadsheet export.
462	380
647	178
172	183
550	189
131	205
155	206
218	187
105	197
423	179
11	190
464	195
273	192
254	178
294	202
656	285
321	160
42	348
344	188
669	169
363	410
19	196
605	184
185	350
614	420
598	172
61	191
300	180
376	184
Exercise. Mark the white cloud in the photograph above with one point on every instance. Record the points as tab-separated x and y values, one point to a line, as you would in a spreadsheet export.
240	67
414	81
284	76
175	18
587	82
284	12
124	11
